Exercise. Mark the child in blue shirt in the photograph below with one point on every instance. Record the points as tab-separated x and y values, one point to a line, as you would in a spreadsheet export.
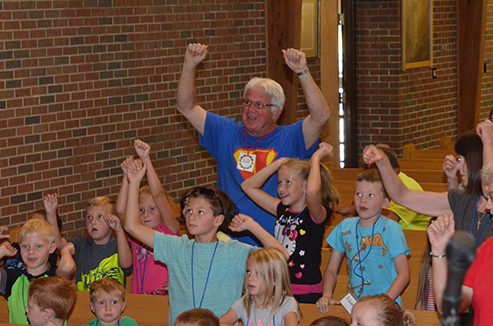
204	272
375	247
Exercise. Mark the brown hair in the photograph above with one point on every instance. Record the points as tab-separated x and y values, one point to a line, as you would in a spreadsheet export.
102	201
372	176
470	146
219	202
387	311
329	321
42	212
106	285
197	317
330	195
54	293
423	282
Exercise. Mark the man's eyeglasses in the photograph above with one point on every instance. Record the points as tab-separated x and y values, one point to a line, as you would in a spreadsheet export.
258	105
209	192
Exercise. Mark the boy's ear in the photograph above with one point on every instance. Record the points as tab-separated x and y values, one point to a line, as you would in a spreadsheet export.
52	248
218	220
92	307
124	305
386	202
48	313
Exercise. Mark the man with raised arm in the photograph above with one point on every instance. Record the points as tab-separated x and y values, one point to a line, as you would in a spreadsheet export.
242	149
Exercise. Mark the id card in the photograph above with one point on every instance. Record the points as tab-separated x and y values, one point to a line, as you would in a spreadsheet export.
246	162
348	302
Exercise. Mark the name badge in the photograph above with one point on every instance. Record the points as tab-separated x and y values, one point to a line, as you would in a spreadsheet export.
348	302
246	162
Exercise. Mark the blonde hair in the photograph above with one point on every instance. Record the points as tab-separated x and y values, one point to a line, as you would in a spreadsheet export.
197	317
106	285
272	267
38	227
101	201
387	311
330	195
55	293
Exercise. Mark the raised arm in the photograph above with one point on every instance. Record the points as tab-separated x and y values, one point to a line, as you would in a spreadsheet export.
317	105
485	132
253	187
449	167
242	222
132	225
66	264
157	191
121	200
329	281
229	318
186	96
124	252
422	202
314	183
50	202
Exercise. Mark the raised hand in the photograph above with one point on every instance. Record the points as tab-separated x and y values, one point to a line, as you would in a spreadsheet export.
6	250
323	304
241	222
295	59
372	154
142	149
50	202
324	151
136	171
195	54
113	222
125	164
439	233
485	130
450	166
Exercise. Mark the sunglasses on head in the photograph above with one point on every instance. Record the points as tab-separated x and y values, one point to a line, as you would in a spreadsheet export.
208	192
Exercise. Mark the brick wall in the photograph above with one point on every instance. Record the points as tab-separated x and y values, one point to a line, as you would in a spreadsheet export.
396	106
80	80
487	85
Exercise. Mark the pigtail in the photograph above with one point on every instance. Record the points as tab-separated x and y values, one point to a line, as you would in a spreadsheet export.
330	195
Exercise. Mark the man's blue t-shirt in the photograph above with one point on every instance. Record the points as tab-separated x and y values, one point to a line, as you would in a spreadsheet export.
239	156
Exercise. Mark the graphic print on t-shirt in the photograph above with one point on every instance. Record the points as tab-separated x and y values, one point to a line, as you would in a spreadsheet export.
249	161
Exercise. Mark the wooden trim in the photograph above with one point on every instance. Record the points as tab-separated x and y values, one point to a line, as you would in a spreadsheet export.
471	22
283	29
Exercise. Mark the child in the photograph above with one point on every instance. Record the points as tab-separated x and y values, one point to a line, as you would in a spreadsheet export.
375	247
307	199
16	262
50	300
99	255
268	299
329	321
380	310
107	297
197	317
204	272
37	242
149	276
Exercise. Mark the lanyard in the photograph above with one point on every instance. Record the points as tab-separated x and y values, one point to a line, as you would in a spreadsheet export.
208	274
246	146
142	273
474	217
89	265
359	255
288	227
